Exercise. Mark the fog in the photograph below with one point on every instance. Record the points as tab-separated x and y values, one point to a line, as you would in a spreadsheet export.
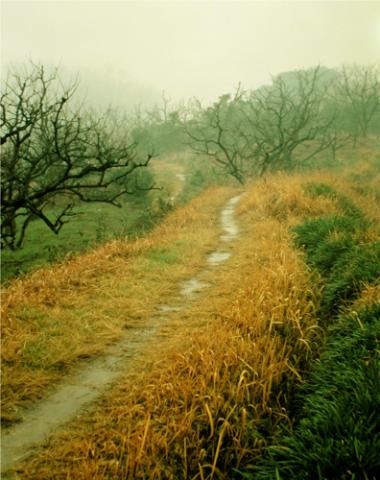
186	48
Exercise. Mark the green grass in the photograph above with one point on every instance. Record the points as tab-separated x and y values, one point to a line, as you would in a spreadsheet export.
336	246
325	238
320	189
163	256
353	269
96	224
337	433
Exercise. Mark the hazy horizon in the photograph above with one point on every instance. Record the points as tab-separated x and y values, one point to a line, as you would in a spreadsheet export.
188	48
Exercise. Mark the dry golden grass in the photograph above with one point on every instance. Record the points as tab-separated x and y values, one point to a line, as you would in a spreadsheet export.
208	395
60	314
206	406
282	197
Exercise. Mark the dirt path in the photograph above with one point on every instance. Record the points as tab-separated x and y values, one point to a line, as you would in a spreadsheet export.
90	382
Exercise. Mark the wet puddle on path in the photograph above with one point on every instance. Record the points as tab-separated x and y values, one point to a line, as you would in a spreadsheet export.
90	382
218	257
192	286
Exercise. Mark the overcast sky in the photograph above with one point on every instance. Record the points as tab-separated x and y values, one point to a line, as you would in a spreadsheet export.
187	48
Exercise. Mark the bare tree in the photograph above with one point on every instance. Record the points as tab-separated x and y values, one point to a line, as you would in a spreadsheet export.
358	95
275	127
285	125
213	132
55	153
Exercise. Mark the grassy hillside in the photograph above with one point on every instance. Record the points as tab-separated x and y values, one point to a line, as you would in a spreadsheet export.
178	178
94	224
72	310
273	370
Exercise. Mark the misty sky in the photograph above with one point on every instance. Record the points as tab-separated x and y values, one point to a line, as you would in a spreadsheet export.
191	48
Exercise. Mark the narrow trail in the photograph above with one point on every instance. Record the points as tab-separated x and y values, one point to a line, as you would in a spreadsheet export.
84	387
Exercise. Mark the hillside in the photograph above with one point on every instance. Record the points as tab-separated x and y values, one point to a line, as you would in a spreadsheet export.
241	347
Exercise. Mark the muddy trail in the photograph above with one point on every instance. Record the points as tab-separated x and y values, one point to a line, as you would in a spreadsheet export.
87	384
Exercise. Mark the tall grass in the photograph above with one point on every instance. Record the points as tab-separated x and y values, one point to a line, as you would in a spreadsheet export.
337	433
343	248
336	429
209	403
213	391
59	315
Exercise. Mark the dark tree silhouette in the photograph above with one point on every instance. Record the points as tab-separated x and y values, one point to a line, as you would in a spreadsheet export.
274	127
53	152
214	132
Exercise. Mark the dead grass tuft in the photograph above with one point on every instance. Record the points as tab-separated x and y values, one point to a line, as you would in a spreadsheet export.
369	296
282	197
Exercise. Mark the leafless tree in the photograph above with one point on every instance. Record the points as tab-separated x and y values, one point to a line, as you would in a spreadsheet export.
54	152
285	125
213	132
275	127
358	95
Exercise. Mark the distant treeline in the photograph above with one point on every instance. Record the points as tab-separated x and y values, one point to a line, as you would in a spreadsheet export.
289	122
56	150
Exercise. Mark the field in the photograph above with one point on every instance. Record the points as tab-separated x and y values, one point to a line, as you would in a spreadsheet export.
271	371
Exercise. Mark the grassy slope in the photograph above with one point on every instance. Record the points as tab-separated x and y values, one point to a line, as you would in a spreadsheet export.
214	401
218	383
337	415
73	310
95	224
